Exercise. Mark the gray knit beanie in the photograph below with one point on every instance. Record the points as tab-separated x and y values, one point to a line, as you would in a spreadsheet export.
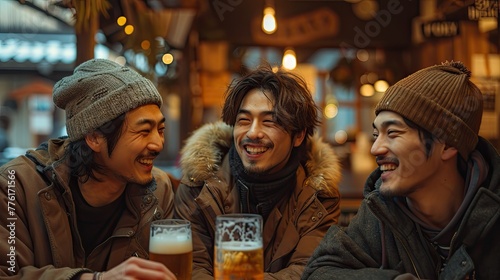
99	91
442	100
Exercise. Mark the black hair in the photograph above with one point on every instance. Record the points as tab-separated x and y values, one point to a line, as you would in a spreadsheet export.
81	156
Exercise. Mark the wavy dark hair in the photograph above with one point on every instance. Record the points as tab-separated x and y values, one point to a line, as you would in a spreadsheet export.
294	106
81	156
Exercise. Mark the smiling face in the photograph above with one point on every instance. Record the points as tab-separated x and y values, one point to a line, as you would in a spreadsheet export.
263	145
401	155
141	140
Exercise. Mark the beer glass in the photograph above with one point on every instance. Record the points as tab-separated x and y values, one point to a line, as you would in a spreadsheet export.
170	243
238	247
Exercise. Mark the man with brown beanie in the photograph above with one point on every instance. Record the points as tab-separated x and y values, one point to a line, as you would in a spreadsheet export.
432	208
80	207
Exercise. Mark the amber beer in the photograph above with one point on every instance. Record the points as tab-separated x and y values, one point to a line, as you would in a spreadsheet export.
238	260
238	247
170	243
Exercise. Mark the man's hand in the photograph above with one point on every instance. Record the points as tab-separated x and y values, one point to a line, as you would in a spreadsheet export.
135	269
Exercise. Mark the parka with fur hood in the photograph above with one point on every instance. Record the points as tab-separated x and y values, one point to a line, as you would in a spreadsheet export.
290	234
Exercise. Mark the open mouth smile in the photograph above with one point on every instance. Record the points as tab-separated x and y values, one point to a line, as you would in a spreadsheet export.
255	150
388	167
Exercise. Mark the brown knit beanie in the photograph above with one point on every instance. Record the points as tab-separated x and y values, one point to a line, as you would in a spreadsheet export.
99	91
442	100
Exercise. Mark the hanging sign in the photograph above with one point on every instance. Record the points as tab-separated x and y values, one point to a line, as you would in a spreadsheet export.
440	29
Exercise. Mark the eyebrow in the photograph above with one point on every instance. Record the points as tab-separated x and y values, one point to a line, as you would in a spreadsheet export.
149	121
266	113
387	123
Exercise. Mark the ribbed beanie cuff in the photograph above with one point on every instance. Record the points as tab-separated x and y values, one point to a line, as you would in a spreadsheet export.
442	100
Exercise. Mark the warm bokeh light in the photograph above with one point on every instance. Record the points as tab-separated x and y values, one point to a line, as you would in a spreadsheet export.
367	90
145	45
372	77
121	21
341	136
289	59
167	58
331	111
269	21
121	60
362	55
381	86
129	29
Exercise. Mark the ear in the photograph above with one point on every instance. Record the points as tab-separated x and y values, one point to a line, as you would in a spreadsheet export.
298	138
95	141
448	152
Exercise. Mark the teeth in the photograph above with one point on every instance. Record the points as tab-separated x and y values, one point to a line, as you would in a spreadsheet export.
387	167
146	161
255	150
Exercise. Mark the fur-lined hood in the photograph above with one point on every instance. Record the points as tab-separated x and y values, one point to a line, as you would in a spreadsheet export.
202	155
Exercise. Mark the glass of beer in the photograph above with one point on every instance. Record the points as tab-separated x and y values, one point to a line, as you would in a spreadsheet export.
238	247
170	243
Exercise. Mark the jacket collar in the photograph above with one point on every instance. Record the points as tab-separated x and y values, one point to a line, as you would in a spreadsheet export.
202	154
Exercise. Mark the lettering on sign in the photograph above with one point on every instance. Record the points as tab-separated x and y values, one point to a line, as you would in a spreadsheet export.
440	29
483	9
299	29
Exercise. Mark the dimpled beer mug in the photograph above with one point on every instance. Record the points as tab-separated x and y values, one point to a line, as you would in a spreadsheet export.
238	247
170	243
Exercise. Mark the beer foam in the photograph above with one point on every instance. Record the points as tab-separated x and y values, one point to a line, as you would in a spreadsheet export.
170	244
240	246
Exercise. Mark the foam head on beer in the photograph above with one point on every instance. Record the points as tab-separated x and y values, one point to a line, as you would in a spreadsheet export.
164	244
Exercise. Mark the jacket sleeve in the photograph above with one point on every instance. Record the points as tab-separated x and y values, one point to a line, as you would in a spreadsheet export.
186	208
346	253
309	235
17	256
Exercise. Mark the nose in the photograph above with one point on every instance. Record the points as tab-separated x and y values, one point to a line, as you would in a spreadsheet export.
156	142
255	131
378	147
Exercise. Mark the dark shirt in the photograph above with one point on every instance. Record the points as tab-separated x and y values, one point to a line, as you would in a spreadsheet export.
95	224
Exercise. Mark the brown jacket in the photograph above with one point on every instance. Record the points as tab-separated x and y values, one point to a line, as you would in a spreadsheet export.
42	219
207	190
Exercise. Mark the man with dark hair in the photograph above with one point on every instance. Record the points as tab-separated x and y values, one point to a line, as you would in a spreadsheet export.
80	207
432	208
264	159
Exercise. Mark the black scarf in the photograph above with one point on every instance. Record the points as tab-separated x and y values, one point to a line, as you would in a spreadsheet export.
259	193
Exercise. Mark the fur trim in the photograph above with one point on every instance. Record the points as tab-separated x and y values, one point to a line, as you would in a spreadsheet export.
203	151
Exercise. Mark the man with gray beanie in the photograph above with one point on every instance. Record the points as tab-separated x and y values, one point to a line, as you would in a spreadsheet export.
80	207
432	207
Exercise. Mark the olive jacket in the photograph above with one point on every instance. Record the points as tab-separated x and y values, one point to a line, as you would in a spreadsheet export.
40	239
382	242
290	236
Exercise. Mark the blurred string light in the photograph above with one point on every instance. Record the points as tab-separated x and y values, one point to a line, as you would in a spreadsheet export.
362	55
269	24
289	59
129	29
341	137
371	84
145	44
381	85
367	90
167	58
121	21
331	108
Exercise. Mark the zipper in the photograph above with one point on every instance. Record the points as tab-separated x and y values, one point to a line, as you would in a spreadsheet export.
408	253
